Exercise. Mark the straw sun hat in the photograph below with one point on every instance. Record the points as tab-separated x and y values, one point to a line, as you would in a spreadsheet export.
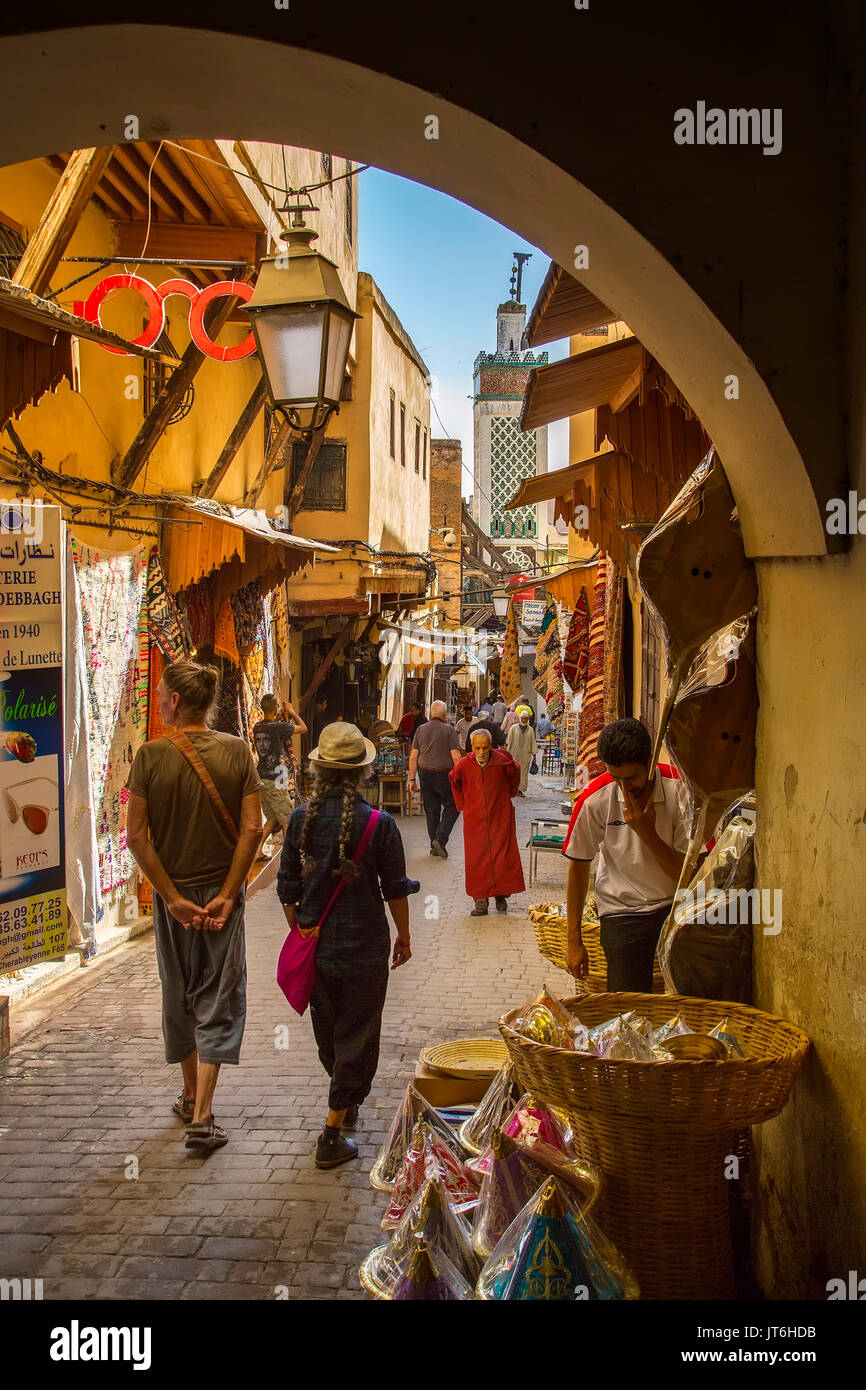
342	745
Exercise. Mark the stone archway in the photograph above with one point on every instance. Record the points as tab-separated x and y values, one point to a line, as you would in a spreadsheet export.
97	76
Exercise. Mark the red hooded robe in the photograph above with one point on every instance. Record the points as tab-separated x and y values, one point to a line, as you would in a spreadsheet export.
483	794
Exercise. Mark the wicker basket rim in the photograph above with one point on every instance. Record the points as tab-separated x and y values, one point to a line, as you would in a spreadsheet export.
798	1049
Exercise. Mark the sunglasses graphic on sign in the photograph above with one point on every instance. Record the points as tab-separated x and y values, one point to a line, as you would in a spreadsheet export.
33	802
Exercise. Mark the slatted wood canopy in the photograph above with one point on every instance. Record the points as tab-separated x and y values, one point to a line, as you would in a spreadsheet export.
564	307
198	209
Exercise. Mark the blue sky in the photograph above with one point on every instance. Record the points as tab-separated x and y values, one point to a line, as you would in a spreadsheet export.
444	268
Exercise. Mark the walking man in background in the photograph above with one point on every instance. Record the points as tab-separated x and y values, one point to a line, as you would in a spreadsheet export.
463	726
484	783
633	816
435	751
521	744
275	770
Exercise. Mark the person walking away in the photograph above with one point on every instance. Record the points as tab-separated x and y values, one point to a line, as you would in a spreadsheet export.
510	718
634	818
354	941
521	744
484	782
484	721
275	770
498	709
435	751
464	724
193	825
544	728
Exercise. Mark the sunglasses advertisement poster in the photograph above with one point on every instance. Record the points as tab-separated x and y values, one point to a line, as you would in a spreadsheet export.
32	871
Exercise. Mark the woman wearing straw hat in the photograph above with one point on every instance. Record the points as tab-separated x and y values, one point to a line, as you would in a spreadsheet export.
354	942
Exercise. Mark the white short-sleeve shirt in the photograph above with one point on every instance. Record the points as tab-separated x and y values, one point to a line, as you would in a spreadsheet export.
628	878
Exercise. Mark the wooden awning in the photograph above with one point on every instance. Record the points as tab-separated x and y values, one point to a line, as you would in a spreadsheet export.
557	483
565	584
622	502
30	315
603	375
564	306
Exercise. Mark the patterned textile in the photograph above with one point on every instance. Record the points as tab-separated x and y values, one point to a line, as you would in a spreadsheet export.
509	678
547	671
591	719
576	657
280	616
248	614
231	710
200	605
613	676
164	624
224	641
116	864
83	897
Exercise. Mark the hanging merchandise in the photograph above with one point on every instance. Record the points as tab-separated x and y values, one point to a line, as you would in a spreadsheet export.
231	716
552	1252
224	640
430	1276
576	658
433	1217
112	588
202	619
613	677
705	946
510	683
547	669
84	896
280	619
591	718
476	1133
390	1158
428	1156
165	626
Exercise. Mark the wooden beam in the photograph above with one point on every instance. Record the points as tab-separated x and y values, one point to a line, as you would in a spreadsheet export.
168	400
627	392
60	218
179	240
333	651
129	158
244	424
179	185
296	496
278	451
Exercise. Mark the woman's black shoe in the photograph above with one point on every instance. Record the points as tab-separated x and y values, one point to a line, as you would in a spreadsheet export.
332	1149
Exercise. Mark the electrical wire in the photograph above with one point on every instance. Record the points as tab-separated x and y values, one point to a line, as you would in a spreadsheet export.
259	181
149	203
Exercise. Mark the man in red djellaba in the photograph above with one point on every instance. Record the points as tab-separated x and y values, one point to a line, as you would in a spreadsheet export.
484	781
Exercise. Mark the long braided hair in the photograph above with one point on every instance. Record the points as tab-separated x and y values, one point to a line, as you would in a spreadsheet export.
326	781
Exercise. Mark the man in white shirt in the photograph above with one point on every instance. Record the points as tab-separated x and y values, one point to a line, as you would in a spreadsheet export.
634	816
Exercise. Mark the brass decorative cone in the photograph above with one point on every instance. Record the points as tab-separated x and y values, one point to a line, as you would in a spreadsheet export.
549	1202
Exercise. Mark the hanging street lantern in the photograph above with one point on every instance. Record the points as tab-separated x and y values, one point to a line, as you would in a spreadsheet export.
302	322
500	605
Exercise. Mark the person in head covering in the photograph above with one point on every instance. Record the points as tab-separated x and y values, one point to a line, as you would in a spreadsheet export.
521	744
354	941
484	782
510	717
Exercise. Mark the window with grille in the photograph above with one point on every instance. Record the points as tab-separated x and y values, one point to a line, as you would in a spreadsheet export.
392	425
326	486
417	446
403	435
349	202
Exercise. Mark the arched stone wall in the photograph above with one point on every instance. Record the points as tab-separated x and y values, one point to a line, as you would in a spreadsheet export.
186	83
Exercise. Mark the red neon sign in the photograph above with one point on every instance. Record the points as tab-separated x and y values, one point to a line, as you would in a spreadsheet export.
155	296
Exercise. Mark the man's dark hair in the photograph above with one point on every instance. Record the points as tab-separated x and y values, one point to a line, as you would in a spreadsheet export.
624	741
269	703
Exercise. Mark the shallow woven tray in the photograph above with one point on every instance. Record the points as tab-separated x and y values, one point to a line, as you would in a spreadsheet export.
662	1133
471	1059
550	937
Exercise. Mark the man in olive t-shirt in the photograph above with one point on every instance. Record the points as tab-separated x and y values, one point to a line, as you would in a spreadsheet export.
189	837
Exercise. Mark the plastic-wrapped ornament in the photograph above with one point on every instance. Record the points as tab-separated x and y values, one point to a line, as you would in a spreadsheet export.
429	1276
640	1024
674	1028
530	1122
512	1177
498	1100
727	1034
390	1158
626	1044
543	1019
600	1033
428	1157
433	1217
553	1253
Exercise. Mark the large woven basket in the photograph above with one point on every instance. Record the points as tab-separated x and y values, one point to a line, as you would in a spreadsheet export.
550	936
663	1133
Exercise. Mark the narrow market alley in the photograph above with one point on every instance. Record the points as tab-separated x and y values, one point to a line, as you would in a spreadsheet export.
99	1197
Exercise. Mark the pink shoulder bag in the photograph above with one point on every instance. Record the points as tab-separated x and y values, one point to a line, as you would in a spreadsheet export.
296	968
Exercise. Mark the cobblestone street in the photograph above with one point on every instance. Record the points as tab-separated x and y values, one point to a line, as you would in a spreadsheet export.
85	1099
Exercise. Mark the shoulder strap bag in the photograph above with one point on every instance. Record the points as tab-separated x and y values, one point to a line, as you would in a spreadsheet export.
296	968
185	746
